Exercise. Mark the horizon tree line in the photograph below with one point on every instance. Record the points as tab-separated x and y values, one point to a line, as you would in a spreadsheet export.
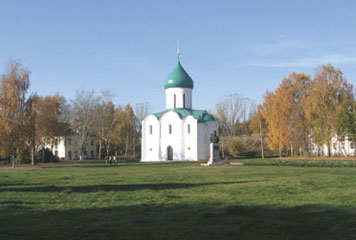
302	110
30	123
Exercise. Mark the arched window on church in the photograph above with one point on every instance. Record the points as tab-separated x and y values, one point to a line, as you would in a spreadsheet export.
151	129
183	100
170	129
188	128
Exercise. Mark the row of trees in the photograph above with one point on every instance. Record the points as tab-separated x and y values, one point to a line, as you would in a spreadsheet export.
29	122
302	111
305	110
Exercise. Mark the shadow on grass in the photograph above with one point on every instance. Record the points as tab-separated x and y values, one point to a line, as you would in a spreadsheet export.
133	164
96	165
102	164
16	203
208	221
118	187
19	184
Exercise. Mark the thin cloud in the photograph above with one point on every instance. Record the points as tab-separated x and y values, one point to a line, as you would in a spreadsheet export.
275	47
305	62
289	46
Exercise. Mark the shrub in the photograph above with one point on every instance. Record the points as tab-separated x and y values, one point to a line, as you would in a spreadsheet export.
235	147
243	145
46	155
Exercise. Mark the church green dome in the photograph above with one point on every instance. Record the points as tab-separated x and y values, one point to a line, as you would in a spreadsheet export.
178	78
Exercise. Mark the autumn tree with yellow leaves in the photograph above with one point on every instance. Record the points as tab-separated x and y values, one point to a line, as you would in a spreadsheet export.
329	93
14	84
304	110
125	132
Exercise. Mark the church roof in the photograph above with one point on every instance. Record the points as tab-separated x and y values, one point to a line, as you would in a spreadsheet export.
200	115
178	78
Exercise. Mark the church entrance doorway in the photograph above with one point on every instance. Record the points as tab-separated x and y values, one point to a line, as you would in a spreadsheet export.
169	153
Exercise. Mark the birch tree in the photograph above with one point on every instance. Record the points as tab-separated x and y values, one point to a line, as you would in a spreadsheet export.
83	117
14	84
125	130
329	93
106	121
284	113
346	123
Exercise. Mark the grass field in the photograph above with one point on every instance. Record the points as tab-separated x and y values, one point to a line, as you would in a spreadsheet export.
178	201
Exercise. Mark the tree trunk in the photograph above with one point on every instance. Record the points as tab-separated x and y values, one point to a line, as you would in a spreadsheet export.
101	143
107	148
133	147
81	154
12	159
33	150
33	136
300	151
100	147
222	150
280	152
291	150
43	154
344	148
127	145
261	138
33	156
52	140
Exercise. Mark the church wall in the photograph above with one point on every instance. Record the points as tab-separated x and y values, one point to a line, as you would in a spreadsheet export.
179	92
204	131
150	140
173	139
192	147
190	139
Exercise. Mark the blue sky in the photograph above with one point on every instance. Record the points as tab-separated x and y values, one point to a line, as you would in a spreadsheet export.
129	47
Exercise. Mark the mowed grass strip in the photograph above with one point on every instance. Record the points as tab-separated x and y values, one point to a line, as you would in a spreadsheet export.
296	162
178	201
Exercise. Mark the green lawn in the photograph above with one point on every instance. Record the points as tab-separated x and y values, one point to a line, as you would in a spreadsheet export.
178	201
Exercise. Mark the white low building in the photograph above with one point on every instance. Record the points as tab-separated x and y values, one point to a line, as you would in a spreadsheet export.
340	146
180	132
67	148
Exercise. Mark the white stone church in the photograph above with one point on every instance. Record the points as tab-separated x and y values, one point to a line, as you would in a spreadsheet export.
179	133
